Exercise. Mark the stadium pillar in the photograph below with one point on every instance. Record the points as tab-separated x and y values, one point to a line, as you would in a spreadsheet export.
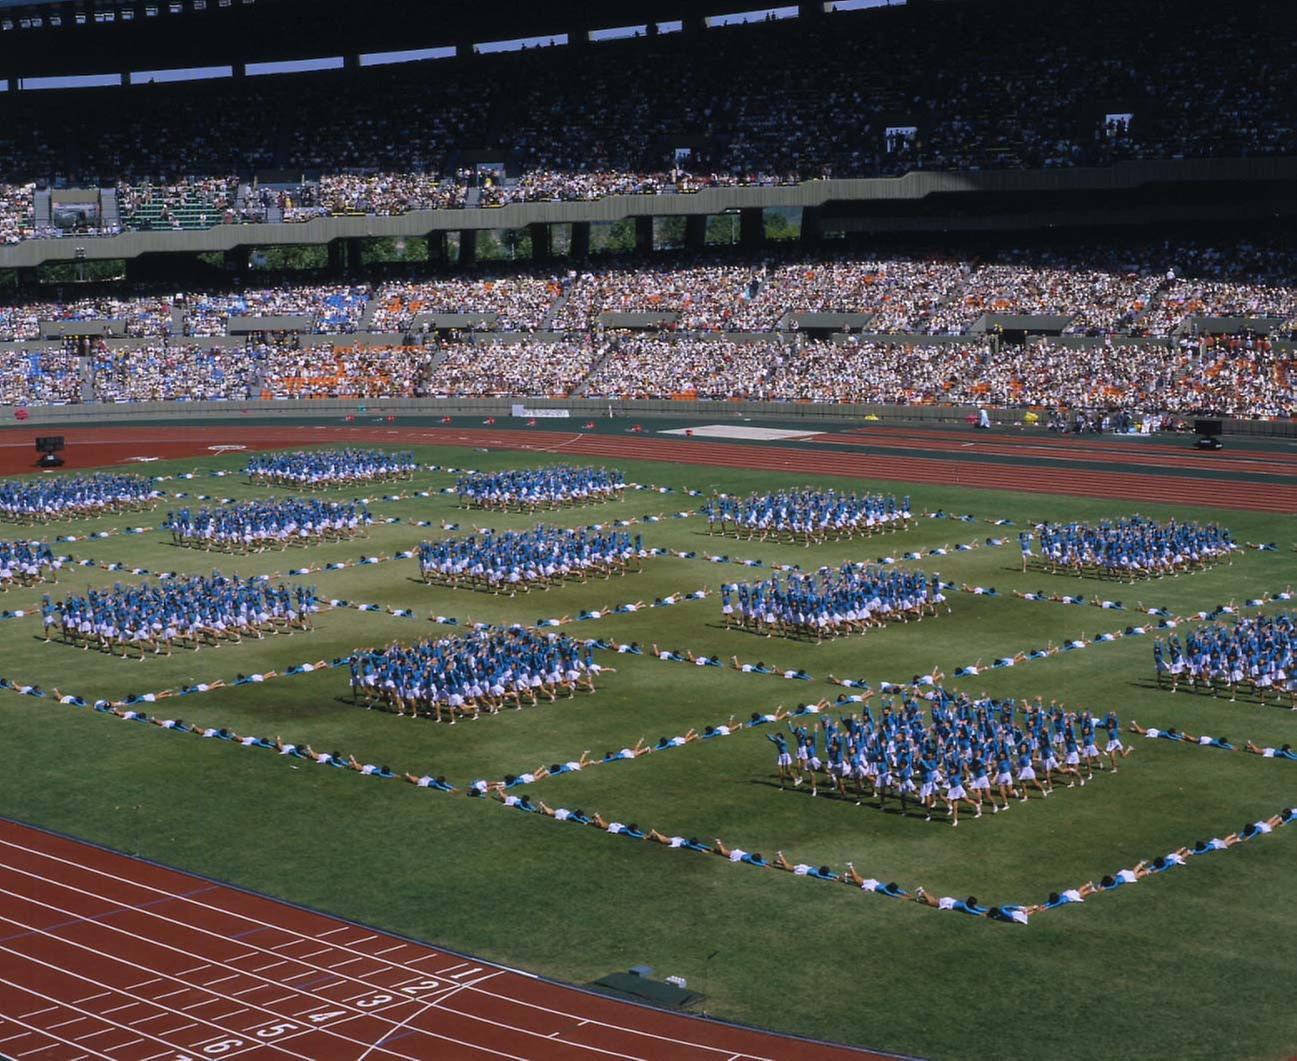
644	235
696	231
355	254
752	227
468	246
337	250
236	260
812	224
580	239
542	247
439	247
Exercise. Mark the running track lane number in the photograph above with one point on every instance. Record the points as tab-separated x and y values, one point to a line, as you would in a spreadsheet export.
219	1047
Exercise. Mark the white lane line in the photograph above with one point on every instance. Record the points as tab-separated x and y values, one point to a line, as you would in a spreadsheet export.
134	1027
186	899
441	1000
210	907
156	1016
606	1024
277	1045
136	937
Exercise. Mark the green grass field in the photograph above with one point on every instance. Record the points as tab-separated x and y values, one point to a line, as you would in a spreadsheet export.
1194	963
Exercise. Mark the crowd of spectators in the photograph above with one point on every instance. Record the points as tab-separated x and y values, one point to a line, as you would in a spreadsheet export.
39	377
326	370
512	300
532	367
709	295
143	316
1238	375
1226	375
854	94
382	194
196	202
332	308
174	372
1148	288
17	204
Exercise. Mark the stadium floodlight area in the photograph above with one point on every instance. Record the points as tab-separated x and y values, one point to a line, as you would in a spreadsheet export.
837	7
617	33
32	84
188	73
517	44
409	55
294	66
743	18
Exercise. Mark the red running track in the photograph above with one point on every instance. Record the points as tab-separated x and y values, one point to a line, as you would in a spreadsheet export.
1133	452
106	956
89	447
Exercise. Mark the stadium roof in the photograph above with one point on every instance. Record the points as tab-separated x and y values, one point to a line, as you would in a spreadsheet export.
101	36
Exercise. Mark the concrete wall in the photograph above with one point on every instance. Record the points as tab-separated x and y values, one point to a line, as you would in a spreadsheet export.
580	409
911	186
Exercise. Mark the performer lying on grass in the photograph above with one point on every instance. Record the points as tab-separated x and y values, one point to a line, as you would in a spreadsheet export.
1284	751
428	781
760	667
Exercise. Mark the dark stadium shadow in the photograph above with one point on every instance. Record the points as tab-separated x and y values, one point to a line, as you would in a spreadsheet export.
1245	696
869	803
775	639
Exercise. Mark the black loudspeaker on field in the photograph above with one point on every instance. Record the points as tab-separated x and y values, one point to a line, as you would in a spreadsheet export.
48	446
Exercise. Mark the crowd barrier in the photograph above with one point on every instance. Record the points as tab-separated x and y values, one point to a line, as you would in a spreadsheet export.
575	410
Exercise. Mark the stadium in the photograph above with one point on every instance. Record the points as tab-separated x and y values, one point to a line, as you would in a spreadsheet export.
819	478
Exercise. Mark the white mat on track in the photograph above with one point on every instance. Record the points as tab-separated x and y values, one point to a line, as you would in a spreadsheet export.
739	431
